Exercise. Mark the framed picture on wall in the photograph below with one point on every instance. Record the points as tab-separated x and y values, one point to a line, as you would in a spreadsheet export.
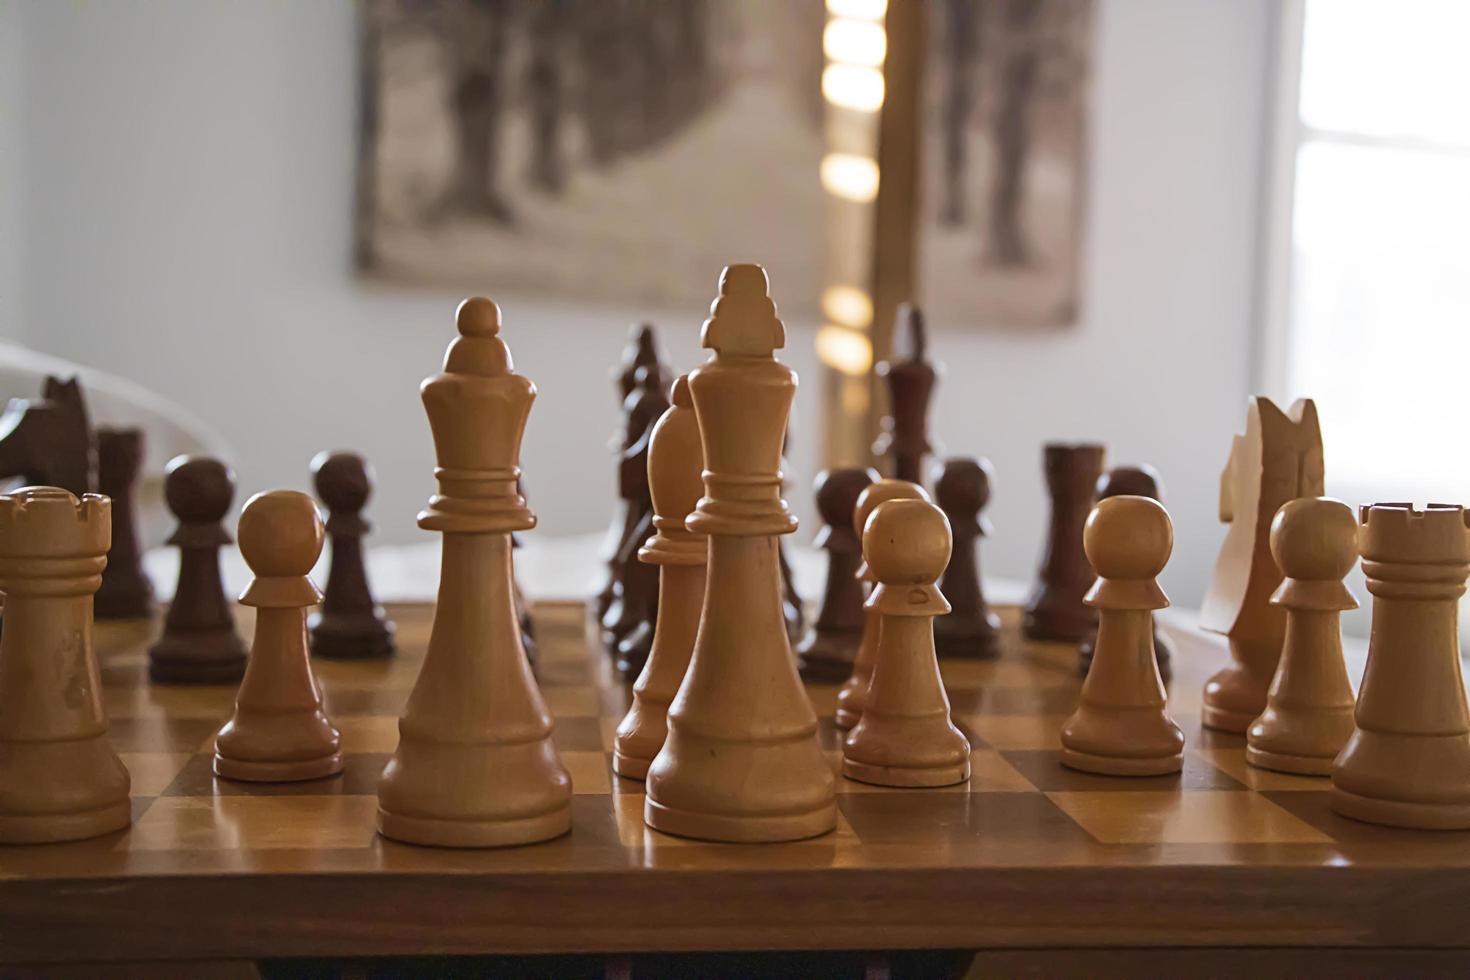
1004	157
588	149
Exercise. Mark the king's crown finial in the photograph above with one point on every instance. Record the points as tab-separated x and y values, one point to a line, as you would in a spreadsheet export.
743	319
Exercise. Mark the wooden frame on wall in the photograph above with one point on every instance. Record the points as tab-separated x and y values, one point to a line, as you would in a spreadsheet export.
871	177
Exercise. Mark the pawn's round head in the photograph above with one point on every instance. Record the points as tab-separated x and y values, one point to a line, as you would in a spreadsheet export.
343	481
1128	537
1315	538
907	542
280	534
198	489
837	493
478	317
962	486
881	492
1136	481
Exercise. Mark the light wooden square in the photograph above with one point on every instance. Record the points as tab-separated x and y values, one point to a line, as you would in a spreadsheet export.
177	823
591	772
1184	817
571	702
152	772
1232	762
368	733
1016	731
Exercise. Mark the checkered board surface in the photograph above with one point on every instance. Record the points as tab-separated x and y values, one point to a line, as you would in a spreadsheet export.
1020	808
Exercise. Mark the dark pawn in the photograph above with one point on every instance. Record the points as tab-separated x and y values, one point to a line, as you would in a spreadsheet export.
827	652
199	644
962	489
649	400
126	592
349	625
1055	610
640	353
911	382
1137	481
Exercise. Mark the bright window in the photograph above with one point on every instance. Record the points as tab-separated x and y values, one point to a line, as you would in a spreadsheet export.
1372	315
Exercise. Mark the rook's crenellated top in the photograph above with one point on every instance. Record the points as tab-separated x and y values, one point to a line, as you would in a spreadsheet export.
1413	553
51	543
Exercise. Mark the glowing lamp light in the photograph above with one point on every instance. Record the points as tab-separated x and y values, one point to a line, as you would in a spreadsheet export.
853	88
855	42
848	306
850	177
858	9
845	350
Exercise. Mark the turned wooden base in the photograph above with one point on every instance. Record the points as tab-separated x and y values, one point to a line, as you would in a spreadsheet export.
977	643
214	657
740	829
1064	625
828	657
905	776
474	833
129	601
52	828
373	641
630	767
1225	720
1301	765
1234	698
277	772
1400	813
1105	765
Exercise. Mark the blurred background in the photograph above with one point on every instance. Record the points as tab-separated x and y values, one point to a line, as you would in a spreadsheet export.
249	224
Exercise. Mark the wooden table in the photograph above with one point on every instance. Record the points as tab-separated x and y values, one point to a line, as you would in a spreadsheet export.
1029	855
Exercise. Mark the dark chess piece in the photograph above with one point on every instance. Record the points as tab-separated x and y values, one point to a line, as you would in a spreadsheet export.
1137	481
640	596
962	489
199	644
827	652
126	592
1055	610
523	608
911	382
349	625
791	605
649	400
792	608
640	353
48	441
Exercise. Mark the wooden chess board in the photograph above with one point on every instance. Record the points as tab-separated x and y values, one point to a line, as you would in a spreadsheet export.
1028	854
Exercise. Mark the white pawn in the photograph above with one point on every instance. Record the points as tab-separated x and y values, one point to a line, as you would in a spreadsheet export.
904	736
279	732
1309	711
1121	727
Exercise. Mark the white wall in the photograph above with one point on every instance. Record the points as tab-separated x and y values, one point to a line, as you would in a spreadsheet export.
1158	367
188	202
13	321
